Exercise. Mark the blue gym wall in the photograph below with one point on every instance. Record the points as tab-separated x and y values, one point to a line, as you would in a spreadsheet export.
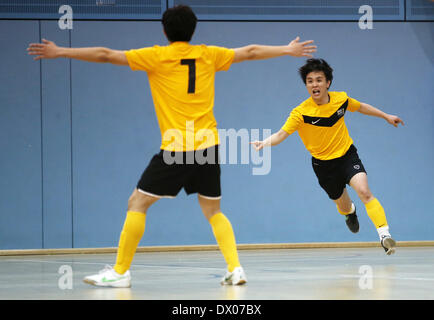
75	136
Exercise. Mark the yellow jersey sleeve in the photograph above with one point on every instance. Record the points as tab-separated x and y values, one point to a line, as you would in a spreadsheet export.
144	59
223	57
293	122
353	105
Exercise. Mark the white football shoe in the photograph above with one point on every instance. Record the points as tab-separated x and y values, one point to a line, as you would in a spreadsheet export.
235	278
108	277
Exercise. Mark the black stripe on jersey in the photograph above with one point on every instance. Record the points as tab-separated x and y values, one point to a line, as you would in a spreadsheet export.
327	122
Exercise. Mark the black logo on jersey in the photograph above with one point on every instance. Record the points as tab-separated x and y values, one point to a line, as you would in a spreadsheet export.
327	122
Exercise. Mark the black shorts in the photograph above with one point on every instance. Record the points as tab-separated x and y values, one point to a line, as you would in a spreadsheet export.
195	171
333	175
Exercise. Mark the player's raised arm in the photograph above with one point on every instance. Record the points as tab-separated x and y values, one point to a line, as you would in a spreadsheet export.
260	52
372	111
272	140
49	50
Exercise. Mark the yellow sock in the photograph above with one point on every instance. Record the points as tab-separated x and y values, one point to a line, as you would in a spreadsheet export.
132	232
376	213
224	235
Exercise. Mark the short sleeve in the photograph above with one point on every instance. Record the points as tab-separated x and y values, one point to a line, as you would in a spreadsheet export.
353	104
223	57
144	59
293	122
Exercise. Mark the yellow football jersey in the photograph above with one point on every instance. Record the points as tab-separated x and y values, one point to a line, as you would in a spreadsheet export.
322	128
181	77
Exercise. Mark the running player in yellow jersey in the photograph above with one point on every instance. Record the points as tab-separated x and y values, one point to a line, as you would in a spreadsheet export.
319	121
181	78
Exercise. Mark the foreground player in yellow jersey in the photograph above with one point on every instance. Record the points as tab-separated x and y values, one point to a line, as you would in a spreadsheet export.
319	121
181	78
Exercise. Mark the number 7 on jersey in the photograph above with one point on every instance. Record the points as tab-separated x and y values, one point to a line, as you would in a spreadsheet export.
191	63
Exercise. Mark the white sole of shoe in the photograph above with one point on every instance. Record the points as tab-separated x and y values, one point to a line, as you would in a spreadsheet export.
230	283
117	284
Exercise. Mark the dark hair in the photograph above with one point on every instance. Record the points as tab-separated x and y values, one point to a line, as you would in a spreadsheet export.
179	23
316	65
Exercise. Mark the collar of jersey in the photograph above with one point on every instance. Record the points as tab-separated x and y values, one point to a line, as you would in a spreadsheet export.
180	43
322	105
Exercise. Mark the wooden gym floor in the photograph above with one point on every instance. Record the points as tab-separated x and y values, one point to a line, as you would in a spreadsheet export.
359	273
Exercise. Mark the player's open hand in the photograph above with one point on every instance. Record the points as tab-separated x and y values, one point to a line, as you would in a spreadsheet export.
394	120
301	49
258	145
45	50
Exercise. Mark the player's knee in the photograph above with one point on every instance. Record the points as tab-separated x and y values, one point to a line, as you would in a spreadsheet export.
140	202
209	214
210	211
209	206
365	195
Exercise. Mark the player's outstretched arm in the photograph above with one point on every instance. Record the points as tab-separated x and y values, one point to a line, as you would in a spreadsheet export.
272	140
260	52
49	50
372	111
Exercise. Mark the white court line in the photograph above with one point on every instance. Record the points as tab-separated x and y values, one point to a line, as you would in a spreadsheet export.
104	264
389	278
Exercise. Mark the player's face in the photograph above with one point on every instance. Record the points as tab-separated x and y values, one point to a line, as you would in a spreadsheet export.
317	86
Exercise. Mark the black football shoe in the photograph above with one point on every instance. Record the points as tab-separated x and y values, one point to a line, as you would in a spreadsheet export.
352	222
